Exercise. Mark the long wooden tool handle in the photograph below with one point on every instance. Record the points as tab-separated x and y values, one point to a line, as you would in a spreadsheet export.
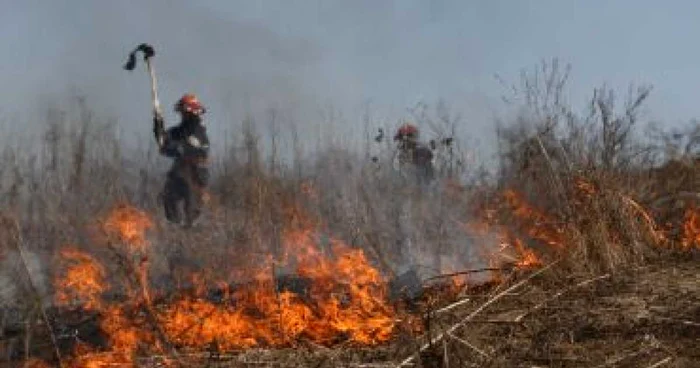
154	87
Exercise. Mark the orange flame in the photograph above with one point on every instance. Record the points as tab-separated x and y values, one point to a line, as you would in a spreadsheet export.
83	281
527	257
501	243
509	240
123	331
691	229
129	224
536	224
345	300
82	284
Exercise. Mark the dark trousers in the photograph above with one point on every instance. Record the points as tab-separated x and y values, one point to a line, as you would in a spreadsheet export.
178	190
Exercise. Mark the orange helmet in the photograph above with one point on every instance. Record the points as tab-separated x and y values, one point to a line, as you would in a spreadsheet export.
189	103
406	131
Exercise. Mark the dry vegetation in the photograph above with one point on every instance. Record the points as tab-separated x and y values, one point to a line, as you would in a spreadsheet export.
590	224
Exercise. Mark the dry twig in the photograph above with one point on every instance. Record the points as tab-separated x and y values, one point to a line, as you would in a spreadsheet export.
18	243
468	272
468	344
651	342
660	363
446	359
681	321
557	295
452	306
454	327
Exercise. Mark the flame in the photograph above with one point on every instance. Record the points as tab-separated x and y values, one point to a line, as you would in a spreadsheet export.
690	237
82	282
89	359
123	330
507	228
345	299
500	243
527	257
535	223
455	283
342	299
656	232
129	225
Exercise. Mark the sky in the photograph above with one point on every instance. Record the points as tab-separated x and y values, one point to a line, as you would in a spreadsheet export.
320	63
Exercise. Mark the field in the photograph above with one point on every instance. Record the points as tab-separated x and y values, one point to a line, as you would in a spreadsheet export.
580	250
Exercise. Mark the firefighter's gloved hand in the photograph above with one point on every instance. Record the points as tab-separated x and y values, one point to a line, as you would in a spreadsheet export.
158	124
158	128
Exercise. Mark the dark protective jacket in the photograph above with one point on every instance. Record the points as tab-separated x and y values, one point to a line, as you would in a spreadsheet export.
418	158
188	144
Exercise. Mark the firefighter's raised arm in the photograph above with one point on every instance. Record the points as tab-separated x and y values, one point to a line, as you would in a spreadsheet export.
167	146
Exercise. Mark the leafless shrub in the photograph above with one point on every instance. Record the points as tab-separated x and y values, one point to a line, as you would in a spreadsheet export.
548	153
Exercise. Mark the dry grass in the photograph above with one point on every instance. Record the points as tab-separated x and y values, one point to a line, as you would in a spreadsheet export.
606	192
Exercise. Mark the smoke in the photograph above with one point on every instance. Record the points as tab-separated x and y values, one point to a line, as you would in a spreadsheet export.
318	65
236	67
244	57
15	287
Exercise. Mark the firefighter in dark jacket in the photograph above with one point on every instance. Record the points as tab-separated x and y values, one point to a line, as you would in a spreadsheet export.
188	177
413	155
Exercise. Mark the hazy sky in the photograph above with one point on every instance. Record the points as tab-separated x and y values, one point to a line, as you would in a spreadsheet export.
304	56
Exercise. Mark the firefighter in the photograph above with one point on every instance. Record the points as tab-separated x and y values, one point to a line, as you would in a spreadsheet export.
188	144
414	155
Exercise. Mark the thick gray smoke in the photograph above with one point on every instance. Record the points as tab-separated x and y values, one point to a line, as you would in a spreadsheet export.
318	64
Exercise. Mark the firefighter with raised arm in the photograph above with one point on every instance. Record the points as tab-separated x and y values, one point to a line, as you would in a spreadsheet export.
414	156
188	144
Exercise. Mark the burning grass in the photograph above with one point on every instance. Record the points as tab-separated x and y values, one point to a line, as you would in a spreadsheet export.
300	265
338	296
343	299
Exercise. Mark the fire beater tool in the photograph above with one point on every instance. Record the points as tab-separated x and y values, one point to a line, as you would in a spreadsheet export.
148	53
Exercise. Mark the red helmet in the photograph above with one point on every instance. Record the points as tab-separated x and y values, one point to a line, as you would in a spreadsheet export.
408	131
189	103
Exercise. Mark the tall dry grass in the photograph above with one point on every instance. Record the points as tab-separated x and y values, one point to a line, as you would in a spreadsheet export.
596	176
